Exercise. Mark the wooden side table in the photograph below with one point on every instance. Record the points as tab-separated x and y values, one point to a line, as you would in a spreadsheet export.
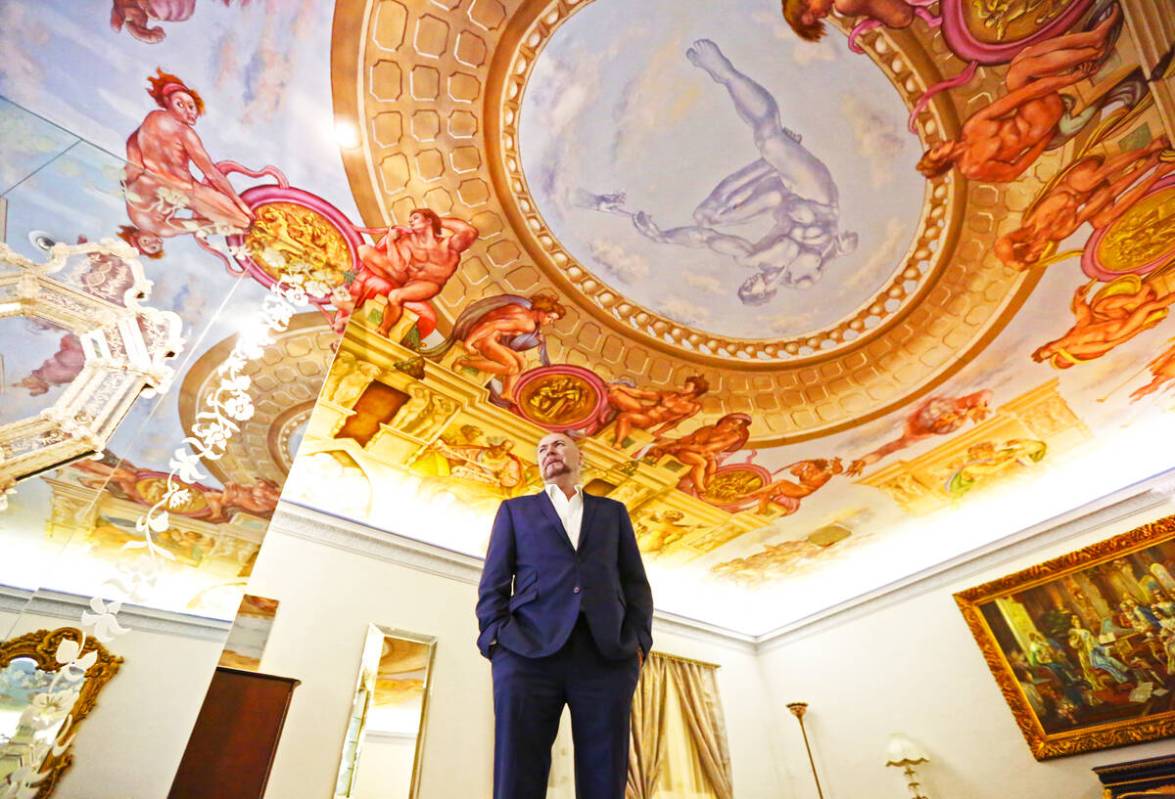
232	746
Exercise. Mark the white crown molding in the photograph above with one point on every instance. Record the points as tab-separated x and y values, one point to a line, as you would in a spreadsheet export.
325	528
1096	515
320	527
685	627
60	605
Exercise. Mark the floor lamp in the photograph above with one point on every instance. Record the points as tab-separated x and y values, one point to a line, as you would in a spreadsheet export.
798	709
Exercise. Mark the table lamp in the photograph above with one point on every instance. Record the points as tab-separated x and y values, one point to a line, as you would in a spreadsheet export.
905	754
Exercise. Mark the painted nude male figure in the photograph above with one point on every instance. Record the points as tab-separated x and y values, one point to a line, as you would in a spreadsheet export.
642	409
934	416
700	449
787	184
811	476
409	265
1092	190
498	331
1117	313
159	182
1000	142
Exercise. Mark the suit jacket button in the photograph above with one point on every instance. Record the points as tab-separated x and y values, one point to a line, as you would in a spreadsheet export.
576	590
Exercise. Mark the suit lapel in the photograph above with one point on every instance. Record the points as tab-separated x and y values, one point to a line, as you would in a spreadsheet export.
553	517
589	507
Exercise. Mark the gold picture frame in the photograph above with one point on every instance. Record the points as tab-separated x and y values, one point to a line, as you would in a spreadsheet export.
41	646
1083	646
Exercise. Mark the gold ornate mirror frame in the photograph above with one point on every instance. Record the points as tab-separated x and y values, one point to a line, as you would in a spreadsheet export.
44	648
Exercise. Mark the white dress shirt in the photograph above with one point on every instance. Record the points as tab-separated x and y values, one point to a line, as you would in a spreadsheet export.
570	510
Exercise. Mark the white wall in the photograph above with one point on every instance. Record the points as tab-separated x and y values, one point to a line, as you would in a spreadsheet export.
131	743
912	666
385	769
329	595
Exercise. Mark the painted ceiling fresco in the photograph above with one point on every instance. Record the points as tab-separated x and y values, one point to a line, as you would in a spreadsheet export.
154	202
830	292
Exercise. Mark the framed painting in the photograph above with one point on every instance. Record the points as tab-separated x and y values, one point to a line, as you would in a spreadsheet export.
1083	646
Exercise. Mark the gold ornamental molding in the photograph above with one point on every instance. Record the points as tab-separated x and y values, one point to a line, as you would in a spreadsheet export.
434	91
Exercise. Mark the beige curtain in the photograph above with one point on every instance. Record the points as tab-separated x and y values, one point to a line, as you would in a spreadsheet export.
682	775
701	709
646	748
678	746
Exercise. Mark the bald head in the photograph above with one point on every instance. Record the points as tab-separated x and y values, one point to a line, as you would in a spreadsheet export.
559	459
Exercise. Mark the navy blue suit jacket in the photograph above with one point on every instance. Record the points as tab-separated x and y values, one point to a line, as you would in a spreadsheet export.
535	583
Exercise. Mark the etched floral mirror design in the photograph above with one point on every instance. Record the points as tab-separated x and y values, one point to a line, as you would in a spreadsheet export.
49	682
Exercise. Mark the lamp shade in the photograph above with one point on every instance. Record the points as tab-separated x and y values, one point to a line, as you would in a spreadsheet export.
901	751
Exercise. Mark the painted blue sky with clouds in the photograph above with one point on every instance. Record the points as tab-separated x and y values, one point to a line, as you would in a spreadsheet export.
614	105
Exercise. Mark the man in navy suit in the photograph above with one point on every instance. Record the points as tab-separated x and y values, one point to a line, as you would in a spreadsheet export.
566	617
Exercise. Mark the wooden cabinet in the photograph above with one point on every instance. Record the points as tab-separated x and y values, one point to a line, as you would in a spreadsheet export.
235	738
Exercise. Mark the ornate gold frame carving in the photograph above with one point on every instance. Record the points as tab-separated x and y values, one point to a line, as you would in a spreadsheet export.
1103	736
40	646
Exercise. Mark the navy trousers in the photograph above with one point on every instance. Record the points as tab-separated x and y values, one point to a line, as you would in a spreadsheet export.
529	695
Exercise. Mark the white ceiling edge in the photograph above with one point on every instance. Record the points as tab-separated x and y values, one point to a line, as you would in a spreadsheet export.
321	527
1100	513
325	528
61	605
